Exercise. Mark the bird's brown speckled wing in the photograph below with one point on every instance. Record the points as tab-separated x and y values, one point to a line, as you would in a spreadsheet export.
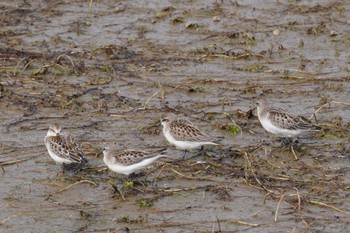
66	147
289	121
128	157
184	130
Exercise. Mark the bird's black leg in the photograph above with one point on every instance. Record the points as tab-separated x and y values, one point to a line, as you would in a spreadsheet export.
286	141
296	141
184	156
133	176
202	151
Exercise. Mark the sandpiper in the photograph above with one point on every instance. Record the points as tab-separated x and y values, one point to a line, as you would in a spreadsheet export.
62	147
184	134
281	122
129	161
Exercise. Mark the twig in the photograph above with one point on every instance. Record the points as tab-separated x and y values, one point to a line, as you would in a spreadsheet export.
339	102
278	206
329	206
295	155
65	55
90	5
255	177
162	91
179	189
324	105
266	157
182	175
318	110
189	177
25	67
299	199
218	222
257	212
161	170
16	161
243	223
15	70
79	182
8	218
154	94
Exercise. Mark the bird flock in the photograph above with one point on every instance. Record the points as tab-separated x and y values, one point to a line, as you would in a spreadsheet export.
180	132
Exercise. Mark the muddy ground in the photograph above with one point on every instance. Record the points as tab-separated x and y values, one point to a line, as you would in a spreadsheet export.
107	70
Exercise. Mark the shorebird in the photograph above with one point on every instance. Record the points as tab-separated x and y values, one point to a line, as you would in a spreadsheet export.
63	148
129	161
282	123
184	134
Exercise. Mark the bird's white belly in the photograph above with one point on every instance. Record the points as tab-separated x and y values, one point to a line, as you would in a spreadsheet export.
268	126
128	169
58	159
185	145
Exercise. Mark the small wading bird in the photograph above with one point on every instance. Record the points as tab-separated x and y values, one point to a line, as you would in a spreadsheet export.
130	160
184	134
63	148
282	123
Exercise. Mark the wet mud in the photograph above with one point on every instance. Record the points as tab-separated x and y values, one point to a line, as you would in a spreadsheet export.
107	70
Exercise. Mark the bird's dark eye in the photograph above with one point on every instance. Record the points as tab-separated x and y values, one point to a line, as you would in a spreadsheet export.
164	120
53	131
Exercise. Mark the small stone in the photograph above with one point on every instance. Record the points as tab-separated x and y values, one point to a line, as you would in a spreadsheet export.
276	32
333	33
120	8
191	25
216	19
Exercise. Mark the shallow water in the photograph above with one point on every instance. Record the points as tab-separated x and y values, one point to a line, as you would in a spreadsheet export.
108	72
